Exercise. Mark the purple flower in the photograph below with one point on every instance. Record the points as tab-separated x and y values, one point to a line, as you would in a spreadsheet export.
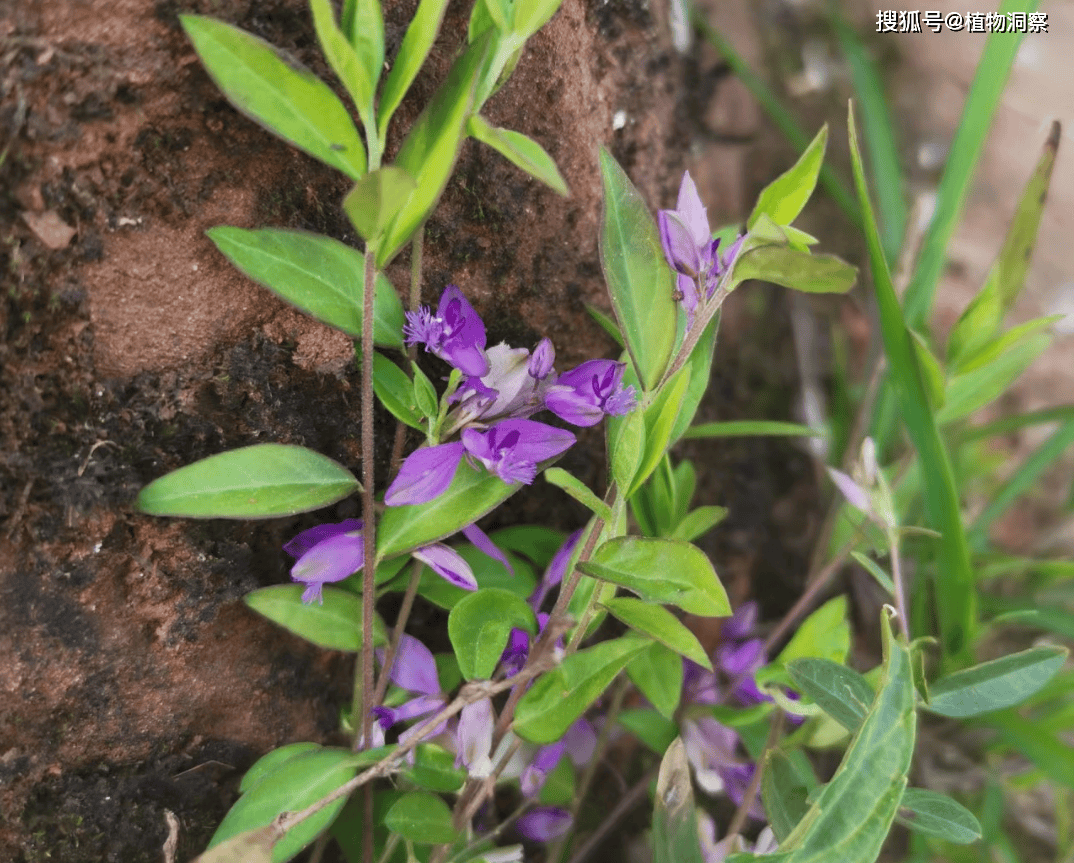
326	553
557	569
544	823
413	670
685	235
486	546
584	395
425	473
513	448
455	334
578	743
473	738
448	564
542	360
509	390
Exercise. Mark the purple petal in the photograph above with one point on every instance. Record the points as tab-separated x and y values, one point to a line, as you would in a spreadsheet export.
516	652
328	561
544	823
581	742
571	406
414	668
464	338
448	564
425	474
678	243
692	211
856	496
557	569
511	449
736	779
584	394
310	537
473	738
738	659
741	624
544	762
486	546
542	360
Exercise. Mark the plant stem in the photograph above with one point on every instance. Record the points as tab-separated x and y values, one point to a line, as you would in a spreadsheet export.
397	632
743	811
900	589
626	803
413	302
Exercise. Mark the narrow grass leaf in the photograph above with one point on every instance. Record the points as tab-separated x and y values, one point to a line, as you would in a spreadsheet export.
317	274
262	481
751	428
954	585
277	91
1053	755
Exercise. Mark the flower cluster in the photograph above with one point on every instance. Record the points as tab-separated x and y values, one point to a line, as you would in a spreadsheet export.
690	249
501	388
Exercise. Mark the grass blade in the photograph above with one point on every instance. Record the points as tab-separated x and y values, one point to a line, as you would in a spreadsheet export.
954	583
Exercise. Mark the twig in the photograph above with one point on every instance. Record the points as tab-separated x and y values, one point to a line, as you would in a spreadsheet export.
743	811
397	632
626	803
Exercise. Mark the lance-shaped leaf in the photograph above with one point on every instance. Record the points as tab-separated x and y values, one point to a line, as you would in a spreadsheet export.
317	274
281	94
521	151
658	673
660	624
261	481
396	392
421	817
675	835
933	814
376	199
531	15
578	490
479	626
797	270
335	624
661	418
825	634
431	147
270	761
994	685
292	786
839	691
700	367
783	199
639	279
853	813
981	320
472	494
783	793
419	38
356	56
559	697
661	571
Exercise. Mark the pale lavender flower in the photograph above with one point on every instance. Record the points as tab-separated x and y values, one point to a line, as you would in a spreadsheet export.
326	553
448	564
685	235
578	743
710	749
584	395
425	473
856	496
544	823
542	360
509	390
455	333
473	738
513	448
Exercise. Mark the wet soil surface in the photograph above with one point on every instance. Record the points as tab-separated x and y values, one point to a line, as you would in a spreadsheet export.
134	682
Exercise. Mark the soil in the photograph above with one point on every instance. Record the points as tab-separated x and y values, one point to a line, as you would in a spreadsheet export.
134	681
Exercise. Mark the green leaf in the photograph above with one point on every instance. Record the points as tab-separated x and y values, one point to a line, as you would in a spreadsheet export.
434	769
873	568
981	102
520	151
649	727
334	625
660	420
356	56
376	199
853	813
626	442
290	787
607	324
419	38
799	271
994	685
658	673
253	846
431	147
277	91
659	624
270	761
675	835
559	697
972	390
531	15
932	374
421	817
1051	754
825	634
783	199
396	392
424	393
955	582
319	275
700	367
262	481
559	786
839	691
479	626
535	541
472	494
751	428
578	490
783	794
933	814
661	571
639	280
698	522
